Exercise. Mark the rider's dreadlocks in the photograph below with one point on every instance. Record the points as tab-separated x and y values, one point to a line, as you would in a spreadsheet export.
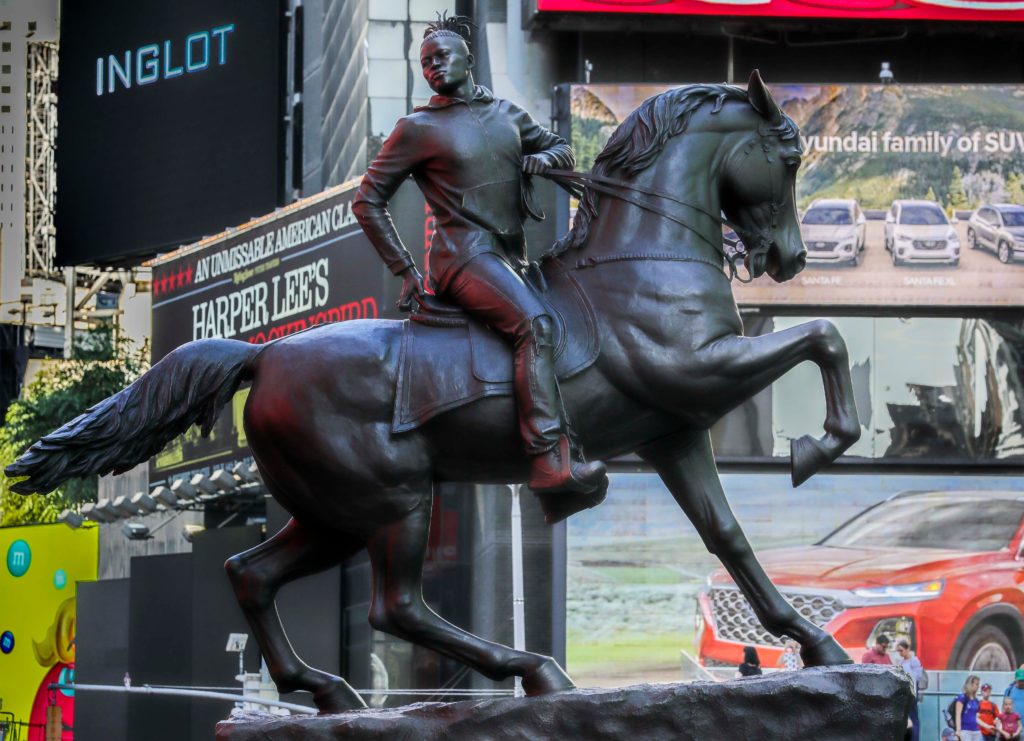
457	26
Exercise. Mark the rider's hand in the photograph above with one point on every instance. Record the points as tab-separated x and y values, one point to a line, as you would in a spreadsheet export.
412	287
536	164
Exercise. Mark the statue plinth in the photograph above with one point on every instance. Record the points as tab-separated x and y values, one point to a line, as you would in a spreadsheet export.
843	703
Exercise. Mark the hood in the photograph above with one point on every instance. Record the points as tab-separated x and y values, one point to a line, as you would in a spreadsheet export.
827	232
1016	231
924	231
845	568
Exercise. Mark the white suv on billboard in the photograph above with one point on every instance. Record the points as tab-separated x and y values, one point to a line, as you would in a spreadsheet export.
834	231
999	228
920	232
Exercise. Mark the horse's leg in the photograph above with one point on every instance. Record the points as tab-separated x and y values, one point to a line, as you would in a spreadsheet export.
749	364
257	574
397	607
687	466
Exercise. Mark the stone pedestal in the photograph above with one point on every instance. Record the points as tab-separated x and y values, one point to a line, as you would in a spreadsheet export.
847	703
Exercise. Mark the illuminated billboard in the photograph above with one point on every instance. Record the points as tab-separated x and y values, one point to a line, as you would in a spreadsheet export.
304	265
909	195
903	10
170	121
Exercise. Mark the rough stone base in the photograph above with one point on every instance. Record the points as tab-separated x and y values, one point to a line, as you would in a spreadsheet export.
847	703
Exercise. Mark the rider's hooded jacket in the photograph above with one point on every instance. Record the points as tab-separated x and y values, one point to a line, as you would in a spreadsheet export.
466	158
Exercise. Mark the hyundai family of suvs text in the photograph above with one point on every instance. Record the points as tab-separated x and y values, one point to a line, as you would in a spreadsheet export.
834	231
999	228
919	232
943	570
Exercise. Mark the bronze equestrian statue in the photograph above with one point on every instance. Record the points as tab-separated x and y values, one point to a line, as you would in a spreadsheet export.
467	151
664	357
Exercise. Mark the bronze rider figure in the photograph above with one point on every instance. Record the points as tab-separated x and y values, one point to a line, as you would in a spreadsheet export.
468	152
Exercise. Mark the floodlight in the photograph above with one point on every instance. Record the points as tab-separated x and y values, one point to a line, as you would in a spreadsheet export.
164	496
224	481
189	532
90	511
71	518
204	485
885	75
106	507
124	507
182	489
135	531
246	474
143	502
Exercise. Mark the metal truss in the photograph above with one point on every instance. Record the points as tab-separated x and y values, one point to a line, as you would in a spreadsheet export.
40	164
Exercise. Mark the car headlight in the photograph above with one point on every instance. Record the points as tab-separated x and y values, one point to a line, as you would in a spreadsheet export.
893	593
903	238
952	238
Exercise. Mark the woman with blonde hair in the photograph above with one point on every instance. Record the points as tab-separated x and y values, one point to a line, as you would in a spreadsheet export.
966	716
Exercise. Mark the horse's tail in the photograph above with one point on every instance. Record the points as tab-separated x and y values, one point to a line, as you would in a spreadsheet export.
188	386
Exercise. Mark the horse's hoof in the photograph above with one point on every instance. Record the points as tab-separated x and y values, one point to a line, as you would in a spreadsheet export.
547	678
337	697
824	652
806	458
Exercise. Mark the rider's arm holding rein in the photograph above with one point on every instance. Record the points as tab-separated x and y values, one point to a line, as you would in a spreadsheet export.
399	155
538	140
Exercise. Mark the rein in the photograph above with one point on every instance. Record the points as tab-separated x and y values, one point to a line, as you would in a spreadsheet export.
578	182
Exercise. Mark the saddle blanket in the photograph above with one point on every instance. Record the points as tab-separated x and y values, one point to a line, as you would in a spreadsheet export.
448	362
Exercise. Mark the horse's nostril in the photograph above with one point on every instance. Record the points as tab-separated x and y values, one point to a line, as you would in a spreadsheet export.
801	261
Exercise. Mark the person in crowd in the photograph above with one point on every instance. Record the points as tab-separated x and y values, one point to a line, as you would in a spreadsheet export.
1009	722
988	711
879	653
912	666
751	665
1016	689
789	659
965	717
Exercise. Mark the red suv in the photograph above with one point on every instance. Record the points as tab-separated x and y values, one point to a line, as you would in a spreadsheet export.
945	570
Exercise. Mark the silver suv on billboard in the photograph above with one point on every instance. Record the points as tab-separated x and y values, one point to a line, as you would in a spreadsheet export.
834	231
920	232
999	228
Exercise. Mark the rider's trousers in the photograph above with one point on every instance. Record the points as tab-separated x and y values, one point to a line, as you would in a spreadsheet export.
488	288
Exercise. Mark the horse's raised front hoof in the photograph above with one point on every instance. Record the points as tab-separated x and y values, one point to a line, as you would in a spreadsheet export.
337	697
806	458
824	652
547	678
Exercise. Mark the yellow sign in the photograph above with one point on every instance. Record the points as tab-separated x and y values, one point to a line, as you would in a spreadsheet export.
39	570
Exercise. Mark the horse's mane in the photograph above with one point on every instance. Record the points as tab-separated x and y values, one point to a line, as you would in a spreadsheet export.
638	141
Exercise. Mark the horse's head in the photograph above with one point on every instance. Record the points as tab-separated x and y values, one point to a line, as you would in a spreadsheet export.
758	187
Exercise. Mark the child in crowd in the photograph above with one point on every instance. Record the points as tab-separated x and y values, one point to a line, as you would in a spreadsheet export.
1009	722
789	659
988	711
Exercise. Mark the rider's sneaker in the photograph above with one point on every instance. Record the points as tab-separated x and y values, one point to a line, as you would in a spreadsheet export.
557	471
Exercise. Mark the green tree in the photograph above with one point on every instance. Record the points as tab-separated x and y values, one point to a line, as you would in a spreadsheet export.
1015	188
62	390
957	194
930	195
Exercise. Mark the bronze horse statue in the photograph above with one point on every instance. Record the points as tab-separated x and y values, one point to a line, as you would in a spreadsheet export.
672	360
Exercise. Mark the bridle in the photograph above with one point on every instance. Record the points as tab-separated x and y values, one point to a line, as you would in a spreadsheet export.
577	183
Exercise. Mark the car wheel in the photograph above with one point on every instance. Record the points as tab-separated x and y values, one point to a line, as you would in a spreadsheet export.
985	649
972	239
856	258
1004	253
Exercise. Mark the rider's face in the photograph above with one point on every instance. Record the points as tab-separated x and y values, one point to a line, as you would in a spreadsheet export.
446	63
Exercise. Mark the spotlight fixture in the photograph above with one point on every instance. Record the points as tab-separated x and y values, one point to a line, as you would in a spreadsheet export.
71	518
124	507
885	75
144	502
182	489
189	532
247	474
164	496
224	481
135	531
90	511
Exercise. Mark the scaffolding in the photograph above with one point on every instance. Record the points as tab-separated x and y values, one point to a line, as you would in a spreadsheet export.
40	164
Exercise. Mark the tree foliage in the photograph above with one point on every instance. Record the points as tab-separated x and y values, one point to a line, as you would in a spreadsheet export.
957	194
63	389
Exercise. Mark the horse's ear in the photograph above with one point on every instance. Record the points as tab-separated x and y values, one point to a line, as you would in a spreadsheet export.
762	100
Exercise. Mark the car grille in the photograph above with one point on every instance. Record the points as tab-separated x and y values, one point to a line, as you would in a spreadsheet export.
821	245
735	620
929	244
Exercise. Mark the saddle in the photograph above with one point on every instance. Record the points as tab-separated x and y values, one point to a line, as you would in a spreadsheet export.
448	359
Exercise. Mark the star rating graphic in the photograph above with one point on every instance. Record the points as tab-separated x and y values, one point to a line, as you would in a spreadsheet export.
173	280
